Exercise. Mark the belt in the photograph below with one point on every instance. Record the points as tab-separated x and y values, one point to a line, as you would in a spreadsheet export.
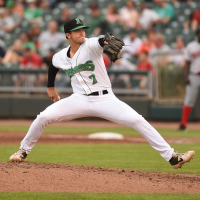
97	93
198	74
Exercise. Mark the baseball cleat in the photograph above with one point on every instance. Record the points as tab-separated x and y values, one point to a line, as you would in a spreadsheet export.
19	156
178	159
182	127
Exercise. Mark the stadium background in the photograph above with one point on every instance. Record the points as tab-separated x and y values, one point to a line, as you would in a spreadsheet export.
157	92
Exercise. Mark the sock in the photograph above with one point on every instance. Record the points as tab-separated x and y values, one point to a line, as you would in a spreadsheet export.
185	115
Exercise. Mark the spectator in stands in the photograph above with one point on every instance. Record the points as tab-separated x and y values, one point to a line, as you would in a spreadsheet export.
65	16
147	43
160	46
32	13
165	11
34	34
23	2
132	45
2	3
111	13
160	51
148	17
50	40
7	24
30	60
195	20
18	10
45	4
129	15
143	65
14	53
177	54
27	43
122	80
97	23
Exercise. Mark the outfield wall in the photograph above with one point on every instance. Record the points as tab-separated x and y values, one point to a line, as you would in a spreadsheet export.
29	107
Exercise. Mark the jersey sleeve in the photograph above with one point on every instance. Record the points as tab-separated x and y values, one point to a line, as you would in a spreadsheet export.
56	60
52	71
187	55
94	46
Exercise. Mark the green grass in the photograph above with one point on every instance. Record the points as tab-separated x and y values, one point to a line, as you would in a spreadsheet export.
127	156
94	196
87	130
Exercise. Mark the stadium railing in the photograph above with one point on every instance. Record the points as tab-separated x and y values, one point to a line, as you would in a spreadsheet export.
31	77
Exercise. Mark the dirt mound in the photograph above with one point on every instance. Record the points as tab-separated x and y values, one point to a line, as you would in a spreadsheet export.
29	176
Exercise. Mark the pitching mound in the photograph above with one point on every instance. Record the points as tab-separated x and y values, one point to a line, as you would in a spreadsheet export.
29	176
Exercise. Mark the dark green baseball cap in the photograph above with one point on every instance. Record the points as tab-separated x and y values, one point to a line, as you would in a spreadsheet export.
73	24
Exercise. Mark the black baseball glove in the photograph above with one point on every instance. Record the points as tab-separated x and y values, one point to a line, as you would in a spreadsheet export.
113	47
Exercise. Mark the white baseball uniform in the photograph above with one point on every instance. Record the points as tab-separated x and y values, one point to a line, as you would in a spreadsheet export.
192	54
88	74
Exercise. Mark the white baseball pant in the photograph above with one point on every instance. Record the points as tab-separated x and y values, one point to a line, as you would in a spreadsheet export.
106	106
192	90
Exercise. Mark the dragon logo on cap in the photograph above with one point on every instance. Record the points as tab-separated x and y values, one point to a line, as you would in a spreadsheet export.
78	21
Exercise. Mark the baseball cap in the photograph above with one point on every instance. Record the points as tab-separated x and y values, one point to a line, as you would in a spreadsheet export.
73	24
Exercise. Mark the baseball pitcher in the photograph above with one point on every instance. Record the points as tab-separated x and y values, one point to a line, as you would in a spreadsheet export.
92	93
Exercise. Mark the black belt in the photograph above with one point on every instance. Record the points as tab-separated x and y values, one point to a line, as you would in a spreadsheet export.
97	93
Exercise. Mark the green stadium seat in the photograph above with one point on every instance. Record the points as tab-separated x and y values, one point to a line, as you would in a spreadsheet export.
56	13
188	36
46	12
48	18
182	18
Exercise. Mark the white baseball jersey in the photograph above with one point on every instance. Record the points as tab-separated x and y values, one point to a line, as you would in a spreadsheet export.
192	54
86	69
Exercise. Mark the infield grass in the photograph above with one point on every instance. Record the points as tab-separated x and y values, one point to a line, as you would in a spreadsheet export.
127	156
88	130
94	196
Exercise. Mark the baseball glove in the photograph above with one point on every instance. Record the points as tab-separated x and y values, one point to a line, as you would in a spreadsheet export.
113	47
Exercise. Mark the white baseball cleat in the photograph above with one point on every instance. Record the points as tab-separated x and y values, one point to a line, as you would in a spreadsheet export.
178	159
19	156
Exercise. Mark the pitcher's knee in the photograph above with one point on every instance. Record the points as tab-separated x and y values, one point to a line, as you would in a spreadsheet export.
44	119
139	119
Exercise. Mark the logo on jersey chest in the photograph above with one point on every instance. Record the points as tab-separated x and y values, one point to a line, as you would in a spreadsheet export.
88	66
196	54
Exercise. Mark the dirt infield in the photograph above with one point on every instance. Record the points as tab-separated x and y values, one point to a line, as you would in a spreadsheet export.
28	176
101	123
49	138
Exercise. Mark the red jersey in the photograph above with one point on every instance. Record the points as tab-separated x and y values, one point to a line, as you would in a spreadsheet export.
34	62
196	16
144	66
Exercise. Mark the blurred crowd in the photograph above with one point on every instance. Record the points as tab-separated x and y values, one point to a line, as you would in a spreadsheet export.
36	46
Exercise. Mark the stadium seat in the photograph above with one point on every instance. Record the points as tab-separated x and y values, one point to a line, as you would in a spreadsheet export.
56	13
